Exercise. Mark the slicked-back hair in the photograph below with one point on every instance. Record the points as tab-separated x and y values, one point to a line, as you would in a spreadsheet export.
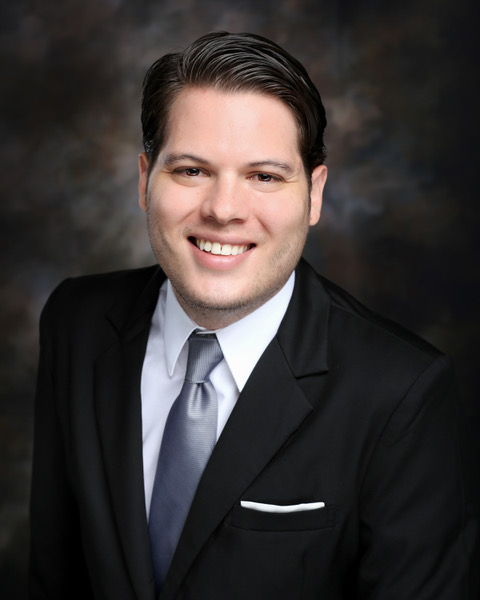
232	63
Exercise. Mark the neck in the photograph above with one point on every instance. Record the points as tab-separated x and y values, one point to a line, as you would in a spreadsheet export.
214	317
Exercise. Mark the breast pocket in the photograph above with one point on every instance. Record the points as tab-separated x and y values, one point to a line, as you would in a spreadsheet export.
304	520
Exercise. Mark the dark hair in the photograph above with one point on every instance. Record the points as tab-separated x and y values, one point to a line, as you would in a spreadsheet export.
234	62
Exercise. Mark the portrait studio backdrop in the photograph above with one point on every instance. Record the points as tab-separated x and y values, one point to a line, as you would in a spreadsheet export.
400	221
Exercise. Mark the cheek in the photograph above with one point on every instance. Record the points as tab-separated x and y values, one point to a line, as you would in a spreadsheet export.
283	219
167	206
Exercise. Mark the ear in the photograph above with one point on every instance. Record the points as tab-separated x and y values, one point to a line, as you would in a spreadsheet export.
143	163
319	177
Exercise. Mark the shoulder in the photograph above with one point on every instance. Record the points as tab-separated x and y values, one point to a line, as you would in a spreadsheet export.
349	315
351	322
380	367
81	299
359	341
101	287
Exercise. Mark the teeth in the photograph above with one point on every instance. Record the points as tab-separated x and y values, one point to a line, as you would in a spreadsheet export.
224	250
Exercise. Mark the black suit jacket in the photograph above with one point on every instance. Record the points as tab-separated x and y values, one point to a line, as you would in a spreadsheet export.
343	407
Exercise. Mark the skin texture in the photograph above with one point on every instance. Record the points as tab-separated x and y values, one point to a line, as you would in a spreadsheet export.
230	173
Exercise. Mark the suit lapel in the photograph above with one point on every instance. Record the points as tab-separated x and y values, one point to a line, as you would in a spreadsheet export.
303	333
269	410
118	408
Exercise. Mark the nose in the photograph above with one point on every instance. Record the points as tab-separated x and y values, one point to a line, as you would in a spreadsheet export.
225	201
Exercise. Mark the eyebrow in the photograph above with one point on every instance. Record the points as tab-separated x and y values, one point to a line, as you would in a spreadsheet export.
176	157
272	163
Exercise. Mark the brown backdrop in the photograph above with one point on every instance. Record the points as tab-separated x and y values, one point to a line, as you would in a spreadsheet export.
400	222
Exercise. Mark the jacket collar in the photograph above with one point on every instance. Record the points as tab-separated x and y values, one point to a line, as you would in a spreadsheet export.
303	334
132	313
308	312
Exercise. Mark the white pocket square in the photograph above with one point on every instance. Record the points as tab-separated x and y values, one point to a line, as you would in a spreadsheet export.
281	508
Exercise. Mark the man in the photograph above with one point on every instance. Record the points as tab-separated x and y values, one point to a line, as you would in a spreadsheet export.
337	466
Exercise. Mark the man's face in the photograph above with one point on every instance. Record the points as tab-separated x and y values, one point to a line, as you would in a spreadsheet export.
227	202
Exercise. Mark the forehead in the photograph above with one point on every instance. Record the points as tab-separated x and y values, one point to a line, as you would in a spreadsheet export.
208	116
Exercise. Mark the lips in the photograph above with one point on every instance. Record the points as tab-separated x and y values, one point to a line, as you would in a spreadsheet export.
222	249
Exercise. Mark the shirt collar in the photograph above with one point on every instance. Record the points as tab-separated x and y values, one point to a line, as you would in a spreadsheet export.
242	342
178	327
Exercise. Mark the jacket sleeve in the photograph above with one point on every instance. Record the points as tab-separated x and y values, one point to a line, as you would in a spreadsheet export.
57	567
419	501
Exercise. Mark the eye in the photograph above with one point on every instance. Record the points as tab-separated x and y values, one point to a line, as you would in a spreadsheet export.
190	171
266	178
190	176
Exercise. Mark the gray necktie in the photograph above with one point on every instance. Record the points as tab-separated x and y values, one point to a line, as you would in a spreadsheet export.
188	440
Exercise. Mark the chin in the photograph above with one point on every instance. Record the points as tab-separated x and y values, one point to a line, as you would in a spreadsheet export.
215	304
216	300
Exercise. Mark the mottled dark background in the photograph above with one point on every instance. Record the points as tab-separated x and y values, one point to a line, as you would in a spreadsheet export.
400	222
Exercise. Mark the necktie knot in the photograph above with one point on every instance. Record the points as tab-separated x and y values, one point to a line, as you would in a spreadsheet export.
204	354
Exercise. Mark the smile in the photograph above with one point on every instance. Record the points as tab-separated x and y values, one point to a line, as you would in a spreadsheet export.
222	249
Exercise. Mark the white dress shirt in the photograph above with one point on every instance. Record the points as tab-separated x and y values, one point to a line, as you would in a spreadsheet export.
165	364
